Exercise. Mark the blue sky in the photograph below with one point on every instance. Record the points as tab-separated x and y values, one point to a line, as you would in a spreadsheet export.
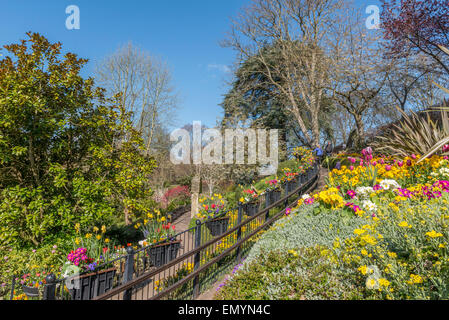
184	33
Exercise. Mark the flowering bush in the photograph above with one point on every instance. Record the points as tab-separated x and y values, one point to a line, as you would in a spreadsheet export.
249	195
273	184
211	206
90	251
304	157
155	228
388	240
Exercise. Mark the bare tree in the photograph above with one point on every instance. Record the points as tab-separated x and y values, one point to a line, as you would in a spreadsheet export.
145	85
359	72
297	31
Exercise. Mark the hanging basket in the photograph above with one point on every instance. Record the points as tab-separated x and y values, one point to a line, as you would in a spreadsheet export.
217	226
251	208
92	284
31	292
162	254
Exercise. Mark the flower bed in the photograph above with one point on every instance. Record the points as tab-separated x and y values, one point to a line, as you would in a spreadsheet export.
388	238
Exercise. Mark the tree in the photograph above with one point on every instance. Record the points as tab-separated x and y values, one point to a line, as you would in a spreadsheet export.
146	90
296	30
413	26
63	156
359	72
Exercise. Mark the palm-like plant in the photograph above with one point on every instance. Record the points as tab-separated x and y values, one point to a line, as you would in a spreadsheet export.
414	134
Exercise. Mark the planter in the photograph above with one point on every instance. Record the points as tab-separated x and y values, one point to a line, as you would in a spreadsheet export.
30	291
251	208
162	254
217	226
92	284
274	195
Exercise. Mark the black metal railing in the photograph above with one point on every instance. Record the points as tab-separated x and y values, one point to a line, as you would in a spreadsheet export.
184	265
213	250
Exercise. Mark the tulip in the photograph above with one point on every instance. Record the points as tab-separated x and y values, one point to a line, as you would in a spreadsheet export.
413	156
388	167
400	164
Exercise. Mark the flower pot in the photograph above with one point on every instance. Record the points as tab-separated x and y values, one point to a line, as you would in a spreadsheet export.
251	208
274	195
162	254
217	226
88	286
30	291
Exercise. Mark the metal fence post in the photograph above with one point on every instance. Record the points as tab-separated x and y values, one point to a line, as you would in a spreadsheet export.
287	187
239	231
197	260
267	204
50	287
129	270
13	285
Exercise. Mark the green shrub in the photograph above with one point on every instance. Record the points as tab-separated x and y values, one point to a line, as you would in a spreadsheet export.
304	229
294	275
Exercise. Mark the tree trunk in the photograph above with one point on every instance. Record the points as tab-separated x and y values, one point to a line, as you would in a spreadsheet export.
126	212
360	141
195	193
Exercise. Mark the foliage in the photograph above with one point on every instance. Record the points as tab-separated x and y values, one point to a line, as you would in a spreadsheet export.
414	134
294	275
89	251
67	154
413	26
155	228
212	206
387	241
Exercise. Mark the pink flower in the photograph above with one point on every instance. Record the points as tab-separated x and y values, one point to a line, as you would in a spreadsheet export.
351	168
413	156
388	167
381	161
351	193
288	211
400	163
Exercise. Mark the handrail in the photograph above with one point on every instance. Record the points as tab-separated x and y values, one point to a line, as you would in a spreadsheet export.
149	274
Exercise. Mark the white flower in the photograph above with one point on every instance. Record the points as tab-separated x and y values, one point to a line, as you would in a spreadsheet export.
389	184
363	192
305	197
444	172
369	206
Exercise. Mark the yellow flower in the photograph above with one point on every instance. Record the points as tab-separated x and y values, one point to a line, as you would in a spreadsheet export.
384	282
95	229
103	229
415	279
362	269
404	224
98	237
293	252
433	234
106	240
